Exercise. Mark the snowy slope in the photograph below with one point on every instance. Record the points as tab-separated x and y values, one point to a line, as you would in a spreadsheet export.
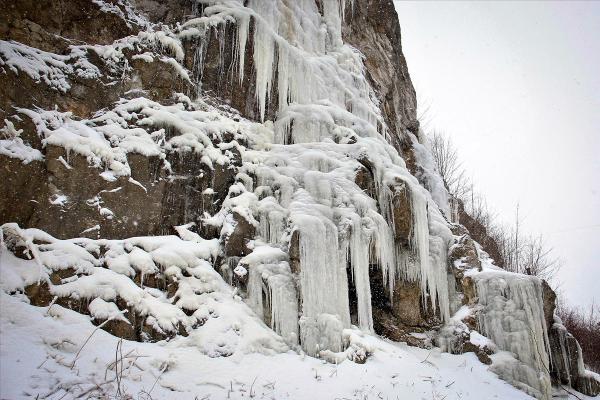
56	353
39	346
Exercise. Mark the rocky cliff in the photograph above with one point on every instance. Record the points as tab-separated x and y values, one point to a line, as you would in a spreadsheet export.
166	162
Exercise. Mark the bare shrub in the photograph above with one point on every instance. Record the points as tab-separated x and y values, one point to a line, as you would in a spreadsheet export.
585	326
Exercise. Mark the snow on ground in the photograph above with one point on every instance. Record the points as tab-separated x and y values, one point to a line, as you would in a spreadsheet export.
39	347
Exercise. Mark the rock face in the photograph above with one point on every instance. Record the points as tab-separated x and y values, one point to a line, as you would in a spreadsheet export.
567	366
148	144
372	28
479	233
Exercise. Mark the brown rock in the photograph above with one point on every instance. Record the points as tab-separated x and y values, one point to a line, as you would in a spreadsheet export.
294	252
388	326
469	290
402	214
549	300
44	24
39	294
469	347
566	359
406	304
236	244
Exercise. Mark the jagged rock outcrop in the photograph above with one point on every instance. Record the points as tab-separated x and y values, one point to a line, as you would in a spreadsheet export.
479	233
566	367
370	29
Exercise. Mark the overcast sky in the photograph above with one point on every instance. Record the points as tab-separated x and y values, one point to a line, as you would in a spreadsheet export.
517	87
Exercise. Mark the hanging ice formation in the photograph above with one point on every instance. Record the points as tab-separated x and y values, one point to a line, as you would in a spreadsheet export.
273	283
327	119
513	318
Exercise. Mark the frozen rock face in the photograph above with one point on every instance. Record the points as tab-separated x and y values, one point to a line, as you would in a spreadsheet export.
216	169
567	363
373	30
513	318
567	366
127	152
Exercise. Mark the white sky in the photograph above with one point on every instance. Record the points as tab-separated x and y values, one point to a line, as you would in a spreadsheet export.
517	87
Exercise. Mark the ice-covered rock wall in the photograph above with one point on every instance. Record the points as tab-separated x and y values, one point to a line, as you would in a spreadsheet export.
327	119
276	139
513	318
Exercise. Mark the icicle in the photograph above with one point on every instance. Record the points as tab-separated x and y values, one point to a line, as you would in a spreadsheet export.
282	297
284	306
283	68
437	279
255	291
263	60
220	35
359	258
384	255
264	49
242	30
271	221
198	65
323	280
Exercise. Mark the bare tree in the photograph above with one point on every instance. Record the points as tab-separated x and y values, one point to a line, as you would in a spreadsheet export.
513	251
448	164
537	259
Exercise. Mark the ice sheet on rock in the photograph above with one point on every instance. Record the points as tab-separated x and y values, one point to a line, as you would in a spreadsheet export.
295	43
513	318
312	109
429	175
270	278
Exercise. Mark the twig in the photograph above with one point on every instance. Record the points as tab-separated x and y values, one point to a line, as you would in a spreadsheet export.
426	357
158	377
119	376
571	393
92	334
43	362
252	387
51	304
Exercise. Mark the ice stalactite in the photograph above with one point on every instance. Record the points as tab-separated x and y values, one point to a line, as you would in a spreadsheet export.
425	261
264	61
275	282
243	27
293	54
513	317
383	249
437	277
284	306
327	118
255	291
323	278
272	220
562	356
357	247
